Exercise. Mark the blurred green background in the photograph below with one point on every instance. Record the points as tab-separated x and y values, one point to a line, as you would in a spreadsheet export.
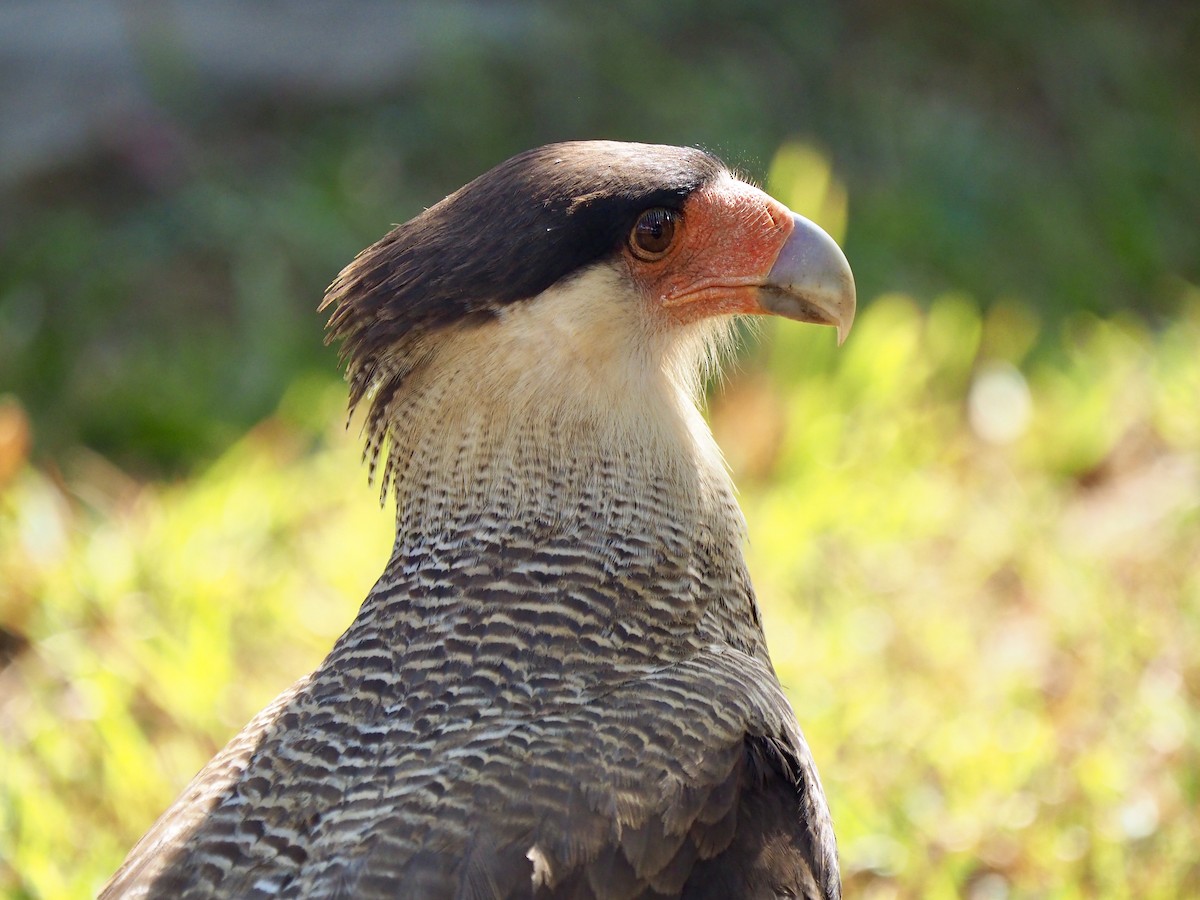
975	529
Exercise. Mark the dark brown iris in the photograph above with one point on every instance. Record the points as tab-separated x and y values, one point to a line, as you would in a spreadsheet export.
653	233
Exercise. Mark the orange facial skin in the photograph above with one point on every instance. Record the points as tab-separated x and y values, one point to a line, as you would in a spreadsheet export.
727	238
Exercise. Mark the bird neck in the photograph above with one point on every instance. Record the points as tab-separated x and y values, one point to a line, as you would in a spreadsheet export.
607	510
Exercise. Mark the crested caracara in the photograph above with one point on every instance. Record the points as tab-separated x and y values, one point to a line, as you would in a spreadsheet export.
559	686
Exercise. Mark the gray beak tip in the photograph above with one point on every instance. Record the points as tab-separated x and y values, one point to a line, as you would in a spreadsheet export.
811	280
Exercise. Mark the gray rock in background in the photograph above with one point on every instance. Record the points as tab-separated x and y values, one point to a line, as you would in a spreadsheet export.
74	74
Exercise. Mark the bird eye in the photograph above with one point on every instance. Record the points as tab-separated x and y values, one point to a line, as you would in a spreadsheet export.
653	233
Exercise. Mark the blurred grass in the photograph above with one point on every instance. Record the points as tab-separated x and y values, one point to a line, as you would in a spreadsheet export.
992	646
990	643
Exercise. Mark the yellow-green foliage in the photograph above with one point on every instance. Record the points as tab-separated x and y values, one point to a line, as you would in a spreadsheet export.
979	575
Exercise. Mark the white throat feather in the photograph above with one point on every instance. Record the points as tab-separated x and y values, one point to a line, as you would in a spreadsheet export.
529	410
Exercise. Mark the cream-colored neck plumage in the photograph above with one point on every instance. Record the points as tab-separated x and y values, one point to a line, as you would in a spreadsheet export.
530	410
566	432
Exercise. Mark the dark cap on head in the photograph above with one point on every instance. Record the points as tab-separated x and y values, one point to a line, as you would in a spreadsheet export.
504	237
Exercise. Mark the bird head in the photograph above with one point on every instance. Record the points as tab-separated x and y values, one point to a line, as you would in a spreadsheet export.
587	277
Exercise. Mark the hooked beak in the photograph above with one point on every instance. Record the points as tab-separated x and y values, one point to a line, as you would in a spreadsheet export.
810	280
